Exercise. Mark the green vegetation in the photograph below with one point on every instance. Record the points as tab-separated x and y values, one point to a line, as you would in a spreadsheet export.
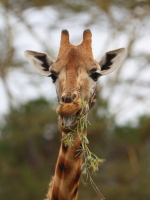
91	161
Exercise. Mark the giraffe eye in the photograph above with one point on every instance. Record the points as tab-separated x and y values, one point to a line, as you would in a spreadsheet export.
95	76
54	77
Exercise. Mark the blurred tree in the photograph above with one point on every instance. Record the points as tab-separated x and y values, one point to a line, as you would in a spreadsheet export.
125	174
29	138
29	145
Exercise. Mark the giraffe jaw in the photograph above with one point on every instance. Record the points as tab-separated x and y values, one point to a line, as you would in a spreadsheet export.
67	123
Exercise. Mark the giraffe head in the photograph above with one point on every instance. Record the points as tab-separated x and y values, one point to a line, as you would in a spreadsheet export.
75	73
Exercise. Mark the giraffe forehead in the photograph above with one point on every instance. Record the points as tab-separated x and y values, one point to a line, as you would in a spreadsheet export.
75	57
74	60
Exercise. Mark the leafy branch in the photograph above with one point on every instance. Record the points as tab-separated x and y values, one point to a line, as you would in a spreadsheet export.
90	161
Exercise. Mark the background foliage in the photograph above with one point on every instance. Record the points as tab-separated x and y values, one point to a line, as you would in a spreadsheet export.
29	138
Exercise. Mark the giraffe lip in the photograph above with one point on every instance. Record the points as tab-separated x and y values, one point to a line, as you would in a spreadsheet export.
69	109
68	121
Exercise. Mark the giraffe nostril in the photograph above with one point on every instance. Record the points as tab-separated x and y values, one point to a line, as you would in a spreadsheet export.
66	100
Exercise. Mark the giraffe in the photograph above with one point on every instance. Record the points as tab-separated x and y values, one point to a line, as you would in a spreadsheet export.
75	74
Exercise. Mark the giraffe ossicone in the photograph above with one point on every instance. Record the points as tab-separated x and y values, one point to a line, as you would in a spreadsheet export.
75	74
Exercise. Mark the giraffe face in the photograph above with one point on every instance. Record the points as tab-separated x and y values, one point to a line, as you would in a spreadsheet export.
75	73
75	77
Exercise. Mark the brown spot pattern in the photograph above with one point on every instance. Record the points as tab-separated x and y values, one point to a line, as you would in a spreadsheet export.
64	148
75	180
63	168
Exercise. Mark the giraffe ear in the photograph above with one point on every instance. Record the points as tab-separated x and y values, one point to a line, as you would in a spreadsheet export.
111	60
41	62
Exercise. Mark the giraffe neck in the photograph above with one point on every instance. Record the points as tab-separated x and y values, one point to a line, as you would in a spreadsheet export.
65	183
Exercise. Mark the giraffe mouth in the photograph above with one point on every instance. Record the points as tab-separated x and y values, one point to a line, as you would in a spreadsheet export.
69	112
70	121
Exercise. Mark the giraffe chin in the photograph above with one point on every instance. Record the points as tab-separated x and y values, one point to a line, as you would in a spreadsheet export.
68	113
65	123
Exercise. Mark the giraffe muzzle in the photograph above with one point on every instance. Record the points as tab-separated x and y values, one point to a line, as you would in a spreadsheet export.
69	109
68	112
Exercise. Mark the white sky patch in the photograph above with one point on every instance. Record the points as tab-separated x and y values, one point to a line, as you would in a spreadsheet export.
143	45
4	107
